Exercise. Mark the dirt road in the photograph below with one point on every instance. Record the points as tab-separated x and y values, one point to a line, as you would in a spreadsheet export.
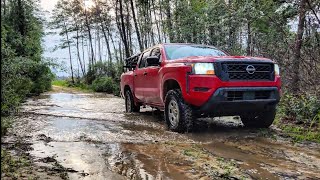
88	136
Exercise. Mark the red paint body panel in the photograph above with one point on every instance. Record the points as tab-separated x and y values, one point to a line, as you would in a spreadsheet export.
148	89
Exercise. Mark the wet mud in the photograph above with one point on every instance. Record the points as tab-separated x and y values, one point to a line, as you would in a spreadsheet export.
74	135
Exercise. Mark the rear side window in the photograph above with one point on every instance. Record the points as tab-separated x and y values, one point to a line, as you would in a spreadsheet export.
156	52
142	63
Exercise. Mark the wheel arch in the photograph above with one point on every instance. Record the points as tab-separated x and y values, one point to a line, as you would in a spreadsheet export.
126	87
168	85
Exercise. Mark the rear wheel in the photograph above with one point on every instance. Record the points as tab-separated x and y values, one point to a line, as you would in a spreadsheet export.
179	116
259	120
130	106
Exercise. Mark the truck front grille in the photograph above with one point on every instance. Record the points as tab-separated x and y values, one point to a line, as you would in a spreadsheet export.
248	71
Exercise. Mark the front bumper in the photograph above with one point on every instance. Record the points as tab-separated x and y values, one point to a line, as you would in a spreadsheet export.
238	100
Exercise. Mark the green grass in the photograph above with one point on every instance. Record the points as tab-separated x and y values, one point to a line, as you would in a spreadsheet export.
6	123
14	167
62	83
77	86
299	133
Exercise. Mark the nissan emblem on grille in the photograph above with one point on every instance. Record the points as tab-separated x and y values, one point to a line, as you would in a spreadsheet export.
250	69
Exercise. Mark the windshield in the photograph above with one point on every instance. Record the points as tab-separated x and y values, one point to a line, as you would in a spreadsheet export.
181	51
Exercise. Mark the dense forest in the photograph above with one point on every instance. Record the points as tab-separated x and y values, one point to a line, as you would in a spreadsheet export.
24	71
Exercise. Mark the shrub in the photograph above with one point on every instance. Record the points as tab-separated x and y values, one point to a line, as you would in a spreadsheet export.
100	69
103	84
6	123
304	108
41	76
299	116
22	77
116	90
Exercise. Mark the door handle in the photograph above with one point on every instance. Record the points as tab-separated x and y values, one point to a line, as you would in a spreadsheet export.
145	73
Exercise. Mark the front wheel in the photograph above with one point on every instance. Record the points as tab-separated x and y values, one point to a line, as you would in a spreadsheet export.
259	120
130	106
179	116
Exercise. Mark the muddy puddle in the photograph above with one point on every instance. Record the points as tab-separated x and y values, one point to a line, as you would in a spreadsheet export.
88	136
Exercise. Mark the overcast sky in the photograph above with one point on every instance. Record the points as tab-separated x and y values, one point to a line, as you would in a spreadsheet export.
48	5
51	40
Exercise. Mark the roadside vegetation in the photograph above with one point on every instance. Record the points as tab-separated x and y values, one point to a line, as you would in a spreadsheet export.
103	77
299	116
24	72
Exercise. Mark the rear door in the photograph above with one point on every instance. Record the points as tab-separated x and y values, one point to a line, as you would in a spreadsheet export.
152	81
139	77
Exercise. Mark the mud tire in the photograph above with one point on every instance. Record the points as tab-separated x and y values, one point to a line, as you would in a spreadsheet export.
259	120
130	107
186	113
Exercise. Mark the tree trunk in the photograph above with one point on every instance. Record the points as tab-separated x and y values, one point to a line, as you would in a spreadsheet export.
150	23
169	23
249	52
90	38
156	21
161	21
136	26
123	31
113	44
78	52
295	84
99	42
70	58
107	40
84	61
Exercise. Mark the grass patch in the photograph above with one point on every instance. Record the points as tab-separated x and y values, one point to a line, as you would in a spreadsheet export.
299	133
62	83
6	122
299	117
79	86
15	167
188	152
102	84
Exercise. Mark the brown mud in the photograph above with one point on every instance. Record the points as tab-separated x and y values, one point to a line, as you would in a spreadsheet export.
76	135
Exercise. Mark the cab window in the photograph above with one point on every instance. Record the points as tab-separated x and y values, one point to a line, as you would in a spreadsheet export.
143	59
156	52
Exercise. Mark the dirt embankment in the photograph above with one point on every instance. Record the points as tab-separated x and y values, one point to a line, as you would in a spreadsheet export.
69	134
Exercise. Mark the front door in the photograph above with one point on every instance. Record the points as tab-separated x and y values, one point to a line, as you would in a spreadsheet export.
140	76
152	80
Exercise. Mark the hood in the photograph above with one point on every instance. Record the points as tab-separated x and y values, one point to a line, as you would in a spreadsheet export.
194	59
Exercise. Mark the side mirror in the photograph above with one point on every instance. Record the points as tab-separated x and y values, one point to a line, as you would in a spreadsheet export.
153	61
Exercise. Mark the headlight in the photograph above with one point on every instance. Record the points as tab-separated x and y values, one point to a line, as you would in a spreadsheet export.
203	68
276	70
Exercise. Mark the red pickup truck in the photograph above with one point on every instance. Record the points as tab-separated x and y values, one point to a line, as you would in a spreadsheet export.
189	81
